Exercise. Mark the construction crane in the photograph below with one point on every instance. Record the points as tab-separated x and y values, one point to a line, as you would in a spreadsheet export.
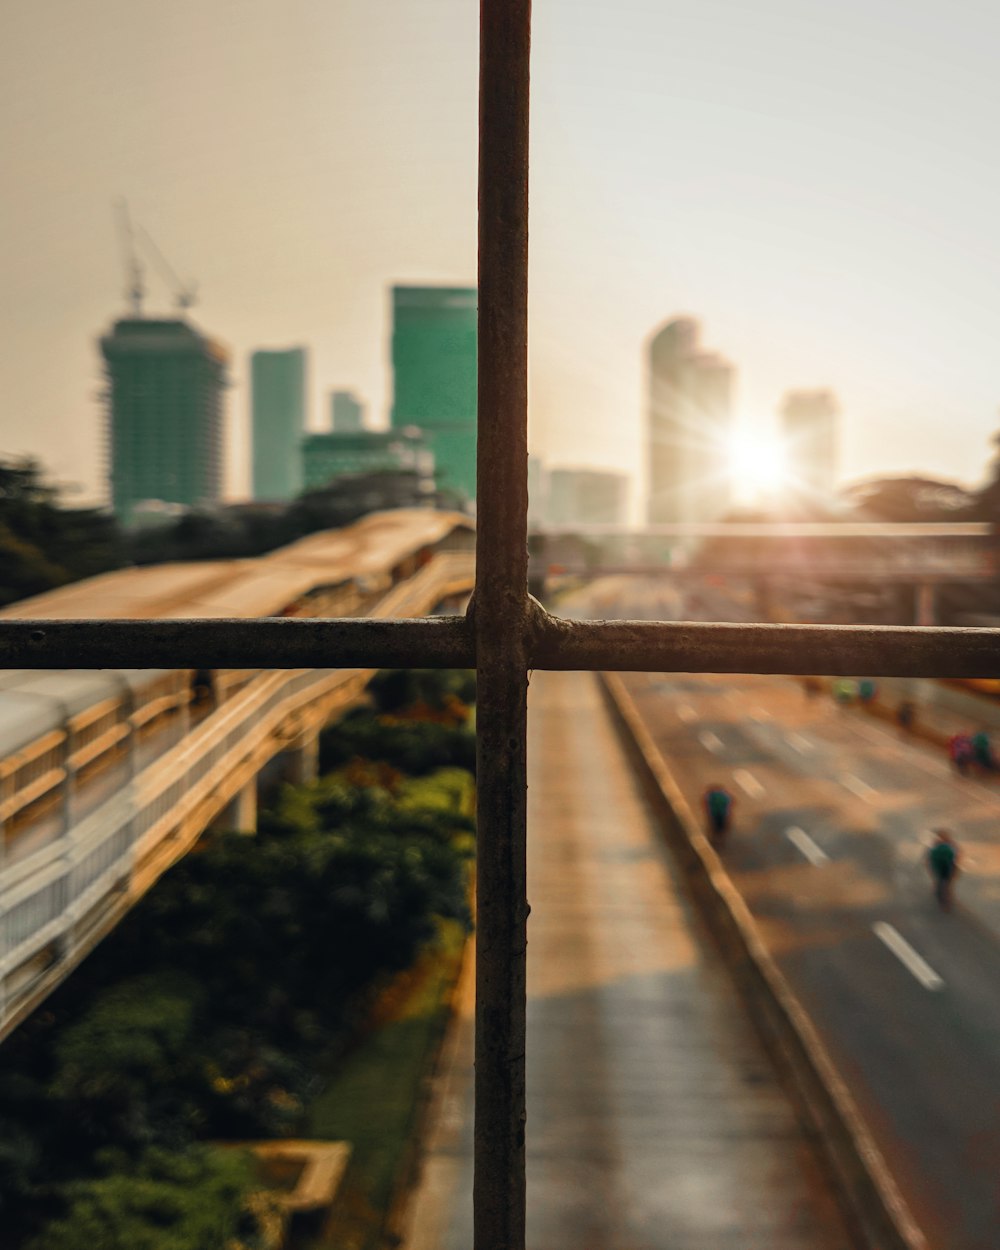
184	293
135	290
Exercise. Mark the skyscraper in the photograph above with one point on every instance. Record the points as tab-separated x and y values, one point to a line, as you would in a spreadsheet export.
809	429
689	422
346	412
435	375
278	405
165	414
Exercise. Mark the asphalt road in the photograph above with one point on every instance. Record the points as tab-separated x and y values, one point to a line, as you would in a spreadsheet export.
832	816
655	1120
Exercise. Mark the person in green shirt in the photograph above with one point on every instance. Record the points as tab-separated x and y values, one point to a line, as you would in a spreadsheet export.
942	861
718	808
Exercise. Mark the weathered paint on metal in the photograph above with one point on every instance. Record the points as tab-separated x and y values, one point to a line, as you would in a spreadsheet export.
353	642
829	650
500	616
551	643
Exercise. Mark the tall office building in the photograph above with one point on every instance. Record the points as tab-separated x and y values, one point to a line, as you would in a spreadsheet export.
346	413
809	429
435	375
688	426
165	413
579	496
325	457
278	408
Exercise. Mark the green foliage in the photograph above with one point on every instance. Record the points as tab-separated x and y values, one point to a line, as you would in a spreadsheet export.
398	689
222	534
414	747
204	1014
246	530
122	1069
180	1200
282	934
448	792
42	545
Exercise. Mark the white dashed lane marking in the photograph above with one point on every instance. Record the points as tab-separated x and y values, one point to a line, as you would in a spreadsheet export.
800	744
813	853
687	713
710	741
748	783
907	956
861	788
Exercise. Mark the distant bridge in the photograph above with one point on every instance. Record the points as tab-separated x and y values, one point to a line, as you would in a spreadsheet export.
773	529
924	555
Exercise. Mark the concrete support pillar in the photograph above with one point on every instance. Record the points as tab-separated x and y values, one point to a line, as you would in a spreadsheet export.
240	814
925	612
302	760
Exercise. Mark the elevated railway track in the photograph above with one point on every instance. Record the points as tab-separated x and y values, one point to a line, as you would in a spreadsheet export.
178	746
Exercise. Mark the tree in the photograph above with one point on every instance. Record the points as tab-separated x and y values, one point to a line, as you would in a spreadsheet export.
184	1200
42	545
910	498
402	689
414	747
122	1071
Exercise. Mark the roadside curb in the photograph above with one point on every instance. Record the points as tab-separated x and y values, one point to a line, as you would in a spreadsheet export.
881	1217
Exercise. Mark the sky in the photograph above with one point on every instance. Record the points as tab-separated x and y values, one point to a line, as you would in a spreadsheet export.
815	182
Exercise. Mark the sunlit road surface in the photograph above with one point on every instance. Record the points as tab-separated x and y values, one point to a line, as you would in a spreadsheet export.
654	1119
832	816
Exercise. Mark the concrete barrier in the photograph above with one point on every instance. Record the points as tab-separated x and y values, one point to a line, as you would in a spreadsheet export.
880	1218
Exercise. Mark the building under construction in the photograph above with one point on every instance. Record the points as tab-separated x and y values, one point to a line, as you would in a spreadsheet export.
164	394
165	414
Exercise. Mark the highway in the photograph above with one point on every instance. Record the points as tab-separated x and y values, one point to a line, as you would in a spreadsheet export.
832	815
655	1120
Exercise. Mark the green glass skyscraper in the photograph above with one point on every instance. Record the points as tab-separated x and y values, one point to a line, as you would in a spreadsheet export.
435	375
278	410
165	419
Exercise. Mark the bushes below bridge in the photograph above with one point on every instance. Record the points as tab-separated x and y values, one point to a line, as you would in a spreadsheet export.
207	1014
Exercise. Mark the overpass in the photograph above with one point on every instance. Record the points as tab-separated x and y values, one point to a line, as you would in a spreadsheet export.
65	883
924	555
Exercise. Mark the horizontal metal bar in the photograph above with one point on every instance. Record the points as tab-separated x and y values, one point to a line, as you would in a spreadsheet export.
353	642
827	650
638	646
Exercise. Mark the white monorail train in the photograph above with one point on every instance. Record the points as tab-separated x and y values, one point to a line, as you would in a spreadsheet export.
66	737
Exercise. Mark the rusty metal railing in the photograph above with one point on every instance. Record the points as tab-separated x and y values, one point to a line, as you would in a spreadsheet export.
504	634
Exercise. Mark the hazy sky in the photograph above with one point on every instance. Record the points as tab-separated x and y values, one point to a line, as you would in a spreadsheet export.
817	182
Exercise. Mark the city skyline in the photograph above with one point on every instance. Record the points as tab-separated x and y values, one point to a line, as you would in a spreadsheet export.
297	169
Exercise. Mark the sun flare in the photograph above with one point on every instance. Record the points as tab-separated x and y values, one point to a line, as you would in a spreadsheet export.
758	464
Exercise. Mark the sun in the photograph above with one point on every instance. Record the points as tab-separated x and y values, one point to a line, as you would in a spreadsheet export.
758	464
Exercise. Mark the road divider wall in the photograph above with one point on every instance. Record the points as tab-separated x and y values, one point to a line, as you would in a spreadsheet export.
880	1216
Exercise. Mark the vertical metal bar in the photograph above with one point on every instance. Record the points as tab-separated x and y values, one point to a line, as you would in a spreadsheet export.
501	624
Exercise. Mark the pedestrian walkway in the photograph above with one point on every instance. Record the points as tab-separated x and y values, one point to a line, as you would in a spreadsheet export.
654	1117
